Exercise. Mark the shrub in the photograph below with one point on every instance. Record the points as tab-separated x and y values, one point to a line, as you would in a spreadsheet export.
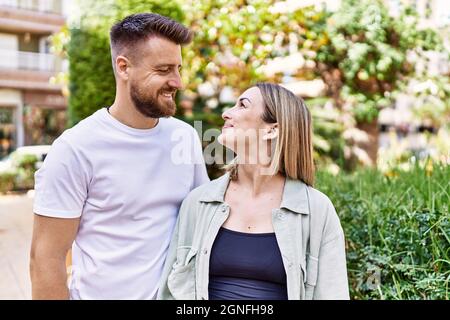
19	173
397	231
7	181
24	161
92	83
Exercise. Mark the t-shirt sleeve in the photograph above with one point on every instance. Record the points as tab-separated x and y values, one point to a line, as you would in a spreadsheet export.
200	173
61	184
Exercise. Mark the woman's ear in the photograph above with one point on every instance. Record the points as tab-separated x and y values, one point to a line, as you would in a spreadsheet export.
272	132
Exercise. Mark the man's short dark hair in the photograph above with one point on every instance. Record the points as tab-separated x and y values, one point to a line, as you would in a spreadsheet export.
126	34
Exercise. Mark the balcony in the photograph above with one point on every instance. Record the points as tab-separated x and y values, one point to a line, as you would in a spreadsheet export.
48	6
40	17
29	70
14	60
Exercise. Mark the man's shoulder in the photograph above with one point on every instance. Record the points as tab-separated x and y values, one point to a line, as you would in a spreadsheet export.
85	126
81	133
176	124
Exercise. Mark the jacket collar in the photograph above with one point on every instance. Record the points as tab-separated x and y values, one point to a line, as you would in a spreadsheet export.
295	196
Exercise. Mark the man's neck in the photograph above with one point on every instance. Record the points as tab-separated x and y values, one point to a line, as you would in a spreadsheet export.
128	115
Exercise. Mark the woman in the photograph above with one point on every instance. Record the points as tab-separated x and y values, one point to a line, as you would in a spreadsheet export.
261	231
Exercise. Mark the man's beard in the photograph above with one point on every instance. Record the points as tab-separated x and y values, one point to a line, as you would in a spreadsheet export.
150	106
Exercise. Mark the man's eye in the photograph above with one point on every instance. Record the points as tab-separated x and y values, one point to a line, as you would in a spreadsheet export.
164	70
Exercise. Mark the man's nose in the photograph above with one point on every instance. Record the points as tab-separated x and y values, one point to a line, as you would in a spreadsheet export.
175	81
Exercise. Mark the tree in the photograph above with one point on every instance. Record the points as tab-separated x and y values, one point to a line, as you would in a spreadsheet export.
234	43
365	60
359	51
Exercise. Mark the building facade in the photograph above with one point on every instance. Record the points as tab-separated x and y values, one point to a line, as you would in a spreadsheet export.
32	106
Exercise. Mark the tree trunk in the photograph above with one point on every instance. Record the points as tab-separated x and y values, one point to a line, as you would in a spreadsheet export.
371	147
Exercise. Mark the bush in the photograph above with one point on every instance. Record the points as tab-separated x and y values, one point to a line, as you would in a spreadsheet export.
397	231
25	165
24	161
7	181
20	175
92	83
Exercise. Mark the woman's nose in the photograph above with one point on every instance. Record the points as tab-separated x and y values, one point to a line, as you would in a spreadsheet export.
226	115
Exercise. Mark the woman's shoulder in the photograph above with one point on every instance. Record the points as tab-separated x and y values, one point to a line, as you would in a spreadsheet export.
210	191
324	213
319	198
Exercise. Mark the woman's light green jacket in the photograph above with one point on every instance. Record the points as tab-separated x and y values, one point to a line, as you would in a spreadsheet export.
307	229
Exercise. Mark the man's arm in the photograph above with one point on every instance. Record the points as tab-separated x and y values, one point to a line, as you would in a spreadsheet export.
52	239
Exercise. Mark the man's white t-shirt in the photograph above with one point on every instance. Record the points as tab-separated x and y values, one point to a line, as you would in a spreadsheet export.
127	186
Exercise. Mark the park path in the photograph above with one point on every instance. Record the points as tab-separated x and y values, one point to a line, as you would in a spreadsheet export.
16	224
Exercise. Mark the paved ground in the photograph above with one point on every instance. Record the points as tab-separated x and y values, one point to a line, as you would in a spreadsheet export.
16	223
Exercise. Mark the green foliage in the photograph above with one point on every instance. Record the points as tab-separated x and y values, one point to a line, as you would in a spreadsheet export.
368	48
25	161
20	172
234	39
7	181
25	167
92	84
91	78
414	37
359	51
327	133
166	8
430	91
227	42
397	231
431	99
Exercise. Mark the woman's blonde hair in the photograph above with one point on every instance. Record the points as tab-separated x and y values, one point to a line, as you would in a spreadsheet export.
293	152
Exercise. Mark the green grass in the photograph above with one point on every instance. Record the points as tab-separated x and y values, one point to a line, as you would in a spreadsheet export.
397	232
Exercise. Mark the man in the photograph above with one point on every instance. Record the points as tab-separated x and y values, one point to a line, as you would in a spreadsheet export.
110	188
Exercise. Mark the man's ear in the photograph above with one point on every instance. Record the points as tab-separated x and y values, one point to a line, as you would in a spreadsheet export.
122	67
271	132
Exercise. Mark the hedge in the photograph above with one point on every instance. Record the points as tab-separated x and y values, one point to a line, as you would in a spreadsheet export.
397	231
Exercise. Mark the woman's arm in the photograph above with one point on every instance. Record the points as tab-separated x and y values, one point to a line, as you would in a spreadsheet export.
332	282
181	237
